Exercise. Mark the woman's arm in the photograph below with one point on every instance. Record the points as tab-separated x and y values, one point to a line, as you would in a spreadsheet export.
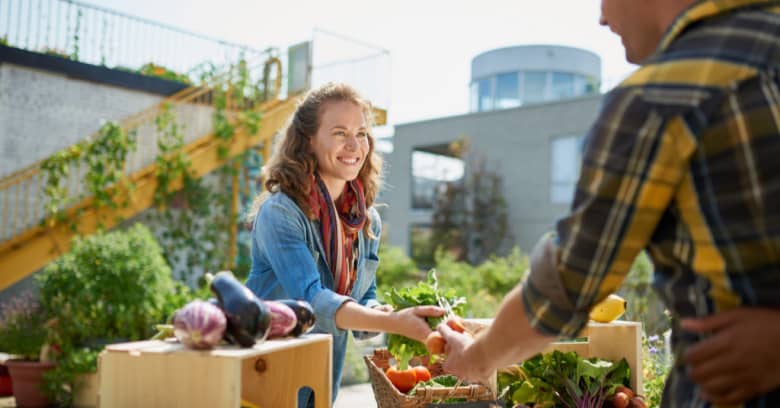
407	322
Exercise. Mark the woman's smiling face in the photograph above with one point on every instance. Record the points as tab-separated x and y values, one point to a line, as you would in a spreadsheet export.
341	144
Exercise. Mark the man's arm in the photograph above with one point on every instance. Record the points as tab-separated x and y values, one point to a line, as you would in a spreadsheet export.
498	345
633	163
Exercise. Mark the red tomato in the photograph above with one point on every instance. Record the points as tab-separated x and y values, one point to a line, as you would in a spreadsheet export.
402	380
422	373
435	343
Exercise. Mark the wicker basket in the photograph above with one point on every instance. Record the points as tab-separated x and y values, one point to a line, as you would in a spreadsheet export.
387	396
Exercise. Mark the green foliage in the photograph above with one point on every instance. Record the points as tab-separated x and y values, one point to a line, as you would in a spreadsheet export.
396	270
104	158
644	305
355	371
160	71
109	287
486	284
23	327
4	41
656	364
560	379
470	216
424	293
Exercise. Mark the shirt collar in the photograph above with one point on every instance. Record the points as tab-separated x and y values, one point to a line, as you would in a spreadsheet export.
705	9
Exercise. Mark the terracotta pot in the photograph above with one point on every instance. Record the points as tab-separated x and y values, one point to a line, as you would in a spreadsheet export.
27	377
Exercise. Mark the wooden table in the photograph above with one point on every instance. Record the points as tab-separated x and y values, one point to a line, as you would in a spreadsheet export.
166	374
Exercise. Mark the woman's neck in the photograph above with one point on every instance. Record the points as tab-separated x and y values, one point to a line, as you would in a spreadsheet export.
335	187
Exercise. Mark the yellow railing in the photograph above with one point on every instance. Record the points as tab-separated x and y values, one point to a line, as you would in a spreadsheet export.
22	198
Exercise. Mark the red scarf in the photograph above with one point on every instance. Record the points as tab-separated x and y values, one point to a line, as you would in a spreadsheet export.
339	234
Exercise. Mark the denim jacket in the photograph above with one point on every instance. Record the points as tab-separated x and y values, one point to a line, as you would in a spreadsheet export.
288	262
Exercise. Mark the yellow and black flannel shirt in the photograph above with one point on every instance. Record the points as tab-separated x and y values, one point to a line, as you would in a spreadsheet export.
684	161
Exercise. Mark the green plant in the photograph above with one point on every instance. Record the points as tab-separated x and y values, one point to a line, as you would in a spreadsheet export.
644	305
656	365
396	270
109	287
160	71
23	327
4	41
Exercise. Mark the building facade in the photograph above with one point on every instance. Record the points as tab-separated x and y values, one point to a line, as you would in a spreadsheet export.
530	108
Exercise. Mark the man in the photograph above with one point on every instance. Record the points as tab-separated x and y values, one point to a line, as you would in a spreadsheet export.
684	161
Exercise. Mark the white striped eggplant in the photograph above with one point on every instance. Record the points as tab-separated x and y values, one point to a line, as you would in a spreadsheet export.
199	325
283	319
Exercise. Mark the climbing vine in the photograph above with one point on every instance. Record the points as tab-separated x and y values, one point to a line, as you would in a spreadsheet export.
104	158
192	215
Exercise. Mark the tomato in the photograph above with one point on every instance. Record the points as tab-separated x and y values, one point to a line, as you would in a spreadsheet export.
422	373
403	380
638	402
625	390
435	343
620	400
456	323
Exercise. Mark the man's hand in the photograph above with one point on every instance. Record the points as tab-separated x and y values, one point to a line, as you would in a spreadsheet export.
462	359
741	359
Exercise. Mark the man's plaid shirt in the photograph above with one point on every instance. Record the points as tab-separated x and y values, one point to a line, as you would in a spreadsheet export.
684	161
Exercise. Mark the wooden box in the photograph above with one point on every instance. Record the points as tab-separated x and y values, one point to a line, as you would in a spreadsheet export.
166	374
608	341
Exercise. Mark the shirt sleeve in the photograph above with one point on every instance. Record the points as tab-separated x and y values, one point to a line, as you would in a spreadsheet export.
280	233
369	298
634	158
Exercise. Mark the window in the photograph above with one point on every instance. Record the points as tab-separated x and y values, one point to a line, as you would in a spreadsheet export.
474	97
562	85
429	170
507	91
534	86
564	168
485	95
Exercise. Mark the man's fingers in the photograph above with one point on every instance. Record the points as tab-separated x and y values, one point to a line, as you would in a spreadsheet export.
446	331
707	349
711	323
733	396
706	370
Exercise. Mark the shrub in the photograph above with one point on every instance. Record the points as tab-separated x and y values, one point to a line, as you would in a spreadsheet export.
109	287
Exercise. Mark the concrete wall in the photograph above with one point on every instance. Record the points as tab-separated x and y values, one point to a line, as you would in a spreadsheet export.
42	112
515	142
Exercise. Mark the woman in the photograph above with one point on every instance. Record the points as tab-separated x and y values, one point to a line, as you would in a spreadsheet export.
315	232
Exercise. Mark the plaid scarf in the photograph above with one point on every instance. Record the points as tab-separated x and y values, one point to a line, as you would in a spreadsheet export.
339	234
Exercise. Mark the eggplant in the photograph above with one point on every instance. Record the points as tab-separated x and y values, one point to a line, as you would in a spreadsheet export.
304	313
248	319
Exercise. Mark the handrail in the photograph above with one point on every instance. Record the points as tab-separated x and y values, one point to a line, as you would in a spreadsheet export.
21	192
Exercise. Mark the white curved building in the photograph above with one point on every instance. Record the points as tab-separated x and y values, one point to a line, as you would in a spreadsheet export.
516	76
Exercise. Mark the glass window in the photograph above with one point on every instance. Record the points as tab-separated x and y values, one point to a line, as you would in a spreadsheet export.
534	86
507	91
474	97
564	168
429	171
485	95
562	85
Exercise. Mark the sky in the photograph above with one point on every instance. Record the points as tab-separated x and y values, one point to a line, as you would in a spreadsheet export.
430	42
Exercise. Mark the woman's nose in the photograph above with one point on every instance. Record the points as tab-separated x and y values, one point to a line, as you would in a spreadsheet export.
352	143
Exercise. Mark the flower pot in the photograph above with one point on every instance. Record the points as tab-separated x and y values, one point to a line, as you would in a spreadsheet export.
27	377
5	382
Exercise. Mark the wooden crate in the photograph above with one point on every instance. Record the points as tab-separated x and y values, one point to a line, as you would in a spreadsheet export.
166	374
608	341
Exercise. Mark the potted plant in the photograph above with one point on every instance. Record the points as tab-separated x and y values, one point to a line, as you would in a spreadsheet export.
110	287
23	333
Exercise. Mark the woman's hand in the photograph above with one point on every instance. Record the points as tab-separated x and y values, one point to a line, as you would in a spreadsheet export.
410	322
383	308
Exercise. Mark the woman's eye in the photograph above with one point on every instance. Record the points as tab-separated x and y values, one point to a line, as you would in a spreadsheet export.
362	134
339	133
